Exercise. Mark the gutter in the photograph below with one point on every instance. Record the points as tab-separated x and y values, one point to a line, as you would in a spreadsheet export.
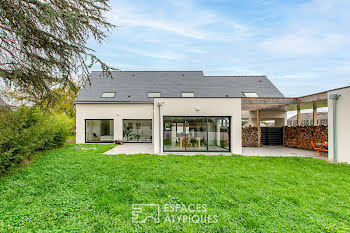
334	97
160	104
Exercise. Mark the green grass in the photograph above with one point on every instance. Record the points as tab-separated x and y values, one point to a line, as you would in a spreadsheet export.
77	188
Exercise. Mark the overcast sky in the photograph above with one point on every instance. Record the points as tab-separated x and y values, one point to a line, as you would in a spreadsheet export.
302	46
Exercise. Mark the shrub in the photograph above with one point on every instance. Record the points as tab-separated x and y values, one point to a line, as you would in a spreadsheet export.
27	130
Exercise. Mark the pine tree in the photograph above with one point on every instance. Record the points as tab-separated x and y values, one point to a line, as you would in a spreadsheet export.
43	43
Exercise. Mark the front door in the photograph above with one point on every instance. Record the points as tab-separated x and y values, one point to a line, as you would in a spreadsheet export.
137	130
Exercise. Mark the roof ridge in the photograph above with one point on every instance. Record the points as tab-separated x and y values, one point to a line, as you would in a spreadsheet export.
235	76
151	71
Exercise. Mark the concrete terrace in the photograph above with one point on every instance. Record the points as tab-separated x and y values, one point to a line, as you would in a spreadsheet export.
265	151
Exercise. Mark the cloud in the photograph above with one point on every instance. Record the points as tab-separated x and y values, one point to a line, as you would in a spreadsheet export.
120	65
183	19
314	28
197	50
303	44
161	55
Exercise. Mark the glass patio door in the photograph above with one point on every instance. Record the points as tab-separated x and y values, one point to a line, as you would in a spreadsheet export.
196	134
137	130
174	134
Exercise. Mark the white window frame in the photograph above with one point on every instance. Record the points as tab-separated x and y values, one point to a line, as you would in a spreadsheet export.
108	95
250	94
187	94
153	94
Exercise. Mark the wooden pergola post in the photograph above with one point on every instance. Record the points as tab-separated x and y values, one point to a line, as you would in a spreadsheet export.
314	113
258	125
298	115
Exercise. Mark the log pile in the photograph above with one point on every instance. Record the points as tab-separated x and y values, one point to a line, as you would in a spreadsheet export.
302	136
250	136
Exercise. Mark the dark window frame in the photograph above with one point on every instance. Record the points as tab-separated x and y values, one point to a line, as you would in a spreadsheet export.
98	120
184	128
138	120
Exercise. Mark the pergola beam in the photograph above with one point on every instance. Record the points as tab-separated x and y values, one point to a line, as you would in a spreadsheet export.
312	98
259	128
314	113
298	115
283	101
253	107
257	103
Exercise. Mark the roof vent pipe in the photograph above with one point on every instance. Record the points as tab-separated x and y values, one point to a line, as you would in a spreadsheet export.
334	97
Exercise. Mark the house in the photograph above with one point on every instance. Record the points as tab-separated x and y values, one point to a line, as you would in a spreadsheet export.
173	110
307	119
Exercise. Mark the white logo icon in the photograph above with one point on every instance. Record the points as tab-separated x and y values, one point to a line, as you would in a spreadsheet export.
141	213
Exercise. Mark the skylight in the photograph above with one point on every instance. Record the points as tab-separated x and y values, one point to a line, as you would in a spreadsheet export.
108	94
250	94
153	94
187	94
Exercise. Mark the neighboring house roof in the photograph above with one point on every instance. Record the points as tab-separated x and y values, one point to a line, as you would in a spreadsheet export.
309	116
133	86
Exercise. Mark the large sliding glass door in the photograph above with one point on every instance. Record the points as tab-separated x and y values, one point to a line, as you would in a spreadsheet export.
218	133
174	134
137	130
196	134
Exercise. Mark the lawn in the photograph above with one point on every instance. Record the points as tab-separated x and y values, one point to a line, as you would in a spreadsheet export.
77	188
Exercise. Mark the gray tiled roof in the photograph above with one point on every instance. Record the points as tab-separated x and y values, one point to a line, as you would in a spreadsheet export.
133	86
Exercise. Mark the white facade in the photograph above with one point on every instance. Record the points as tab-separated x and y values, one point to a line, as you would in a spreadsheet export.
115	111
228	107
203	107
342	126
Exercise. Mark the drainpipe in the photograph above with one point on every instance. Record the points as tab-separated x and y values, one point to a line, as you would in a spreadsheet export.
334	97
160	104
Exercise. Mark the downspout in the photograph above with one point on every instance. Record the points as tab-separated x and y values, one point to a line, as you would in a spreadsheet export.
160	104
334	97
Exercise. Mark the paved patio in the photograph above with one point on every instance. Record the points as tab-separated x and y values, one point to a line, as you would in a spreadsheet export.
131	148
274	151
279	151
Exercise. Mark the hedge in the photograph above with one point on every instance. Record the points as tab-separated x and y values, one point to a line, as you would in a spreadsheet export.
27	130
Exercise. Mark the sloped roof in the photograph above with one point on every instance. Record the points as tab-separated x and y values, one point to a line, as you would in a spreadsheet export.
133	86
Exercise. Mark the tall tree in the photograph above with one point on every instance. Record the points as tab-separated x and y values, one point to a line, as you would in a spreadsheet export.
43	43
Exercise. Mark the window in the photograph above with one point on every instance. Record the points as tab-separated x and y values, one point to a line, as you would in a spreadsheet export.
99	131
153	94
137	130
187	94
250	94
108	94
196	134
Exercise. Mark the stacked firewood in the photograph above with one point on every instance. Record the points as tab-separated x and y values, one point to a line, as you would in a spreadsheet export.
302	136
250	136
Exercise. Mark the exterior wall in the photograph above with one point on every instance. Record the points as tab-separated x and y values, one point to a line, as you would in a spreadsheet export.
116	111
265	115
342	126
230	107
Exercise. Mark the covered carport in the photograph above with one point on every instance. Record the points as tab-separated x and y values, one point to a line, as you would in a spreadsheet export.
261	109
